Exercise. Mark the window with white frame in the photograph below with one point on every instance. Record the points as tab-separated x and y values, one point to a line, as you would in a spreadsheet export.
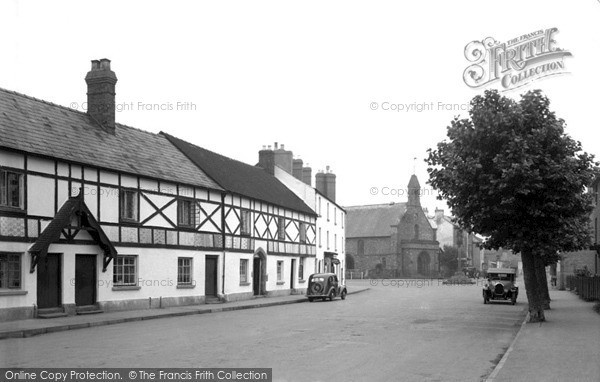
10	271
11	189
245	222
327	211
335	242
281	228
125	270
280	271
320	243
334	216
327	239
184	271
185	213
243	270
129	205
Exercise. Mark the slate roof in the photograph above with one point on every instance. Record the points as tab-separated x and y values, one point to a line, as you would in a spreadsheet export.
373	220
39	127
241	178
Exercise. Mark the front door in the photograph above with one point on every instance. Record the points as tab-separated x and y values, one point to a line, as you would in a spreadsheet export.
293	271
85	280
256	275
48	282
210	276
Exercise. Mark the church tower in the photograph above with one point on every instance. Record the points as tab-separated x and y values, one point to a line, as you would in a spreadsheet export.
414	191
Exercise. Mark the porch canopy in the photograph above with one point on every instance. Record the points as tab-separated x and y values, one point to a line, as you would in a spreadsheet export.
74	216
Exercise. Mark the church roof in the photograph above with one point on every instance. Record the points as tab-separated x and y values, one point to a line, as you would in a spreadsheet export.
373	220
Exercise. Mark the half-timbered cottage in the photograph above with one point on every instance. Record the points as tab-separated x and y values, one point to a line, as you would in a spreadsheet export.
99	216
269	232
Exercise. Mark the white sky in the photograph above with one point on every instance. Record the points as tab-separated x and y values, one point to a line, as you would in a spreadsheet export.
300	73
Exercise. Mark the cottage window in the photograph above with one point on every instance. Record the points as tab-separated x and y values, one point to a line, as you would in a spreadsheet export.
281	229
11	189
301	268
245	222
302	232
243	271
129	205
280	270
10	270
125	270
185	213
184	271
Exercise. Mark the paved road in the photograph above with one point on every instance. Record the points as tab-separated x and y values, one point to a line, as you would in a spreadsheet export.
411	333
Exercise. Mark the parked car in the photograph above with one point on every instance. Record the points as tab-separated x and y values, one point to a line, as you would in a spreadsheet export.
501	285
325	286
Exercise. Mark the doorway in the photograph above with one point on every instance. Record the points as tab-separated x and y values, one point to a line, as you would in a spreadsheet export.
210	276
293	272
48	282
259	270
85	280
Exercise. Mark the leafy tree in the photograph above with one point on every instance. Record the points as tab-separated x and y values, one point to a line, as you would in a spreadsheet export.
449	260
511	174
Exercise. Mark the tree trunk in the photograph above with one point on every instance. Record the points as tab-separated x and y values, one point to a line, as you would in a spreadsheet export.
536	311
540	274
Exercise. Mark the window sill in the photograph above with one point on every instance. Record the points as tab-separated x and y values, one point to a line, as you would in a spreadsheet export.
301	281
119	288
186	286
10	292
13	210
280	282
244	284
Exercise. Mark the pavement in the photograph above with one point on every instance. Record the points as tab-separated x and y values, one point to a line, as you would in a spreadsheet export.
37	326
564	348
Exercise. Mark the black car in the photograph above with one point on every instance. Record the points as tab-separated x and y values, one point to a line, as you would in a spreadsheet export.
501	285
325	286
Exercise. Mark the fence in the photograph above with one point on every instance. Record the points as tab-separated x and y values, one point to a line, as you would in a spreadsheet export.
588	288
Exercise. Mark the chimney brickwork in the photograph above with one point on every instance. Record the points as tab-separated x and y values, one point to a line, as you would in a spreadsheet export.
101	82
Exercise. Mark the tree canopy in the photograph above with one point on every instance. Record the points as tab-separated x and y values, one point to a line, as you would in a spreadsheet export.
512	174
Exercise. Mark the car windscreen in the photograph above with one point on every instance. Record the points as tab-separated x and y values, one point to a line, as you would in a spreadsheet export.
500	276
318	279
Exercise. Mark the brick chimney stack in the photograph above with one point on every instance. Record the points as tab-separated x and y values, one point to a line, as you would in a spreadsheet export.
325	183
101	83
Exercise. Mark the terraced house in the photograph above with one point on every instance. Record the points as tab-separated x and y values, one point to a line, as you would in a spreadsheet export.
98	216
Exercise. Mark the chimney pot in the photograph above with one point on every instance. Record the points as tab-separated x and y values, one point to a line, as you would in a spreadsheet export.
275	145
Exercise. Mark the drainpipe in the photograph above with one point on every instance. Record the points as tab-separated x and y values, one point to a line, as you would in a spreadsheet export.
222	243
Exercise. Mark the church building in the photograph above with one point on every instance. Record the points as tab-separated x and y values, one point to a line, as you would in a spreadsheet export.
393	240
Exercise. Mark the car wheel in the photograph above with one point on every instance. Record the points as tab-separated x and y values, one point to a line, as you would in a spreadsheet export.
310	299
343	295
331	295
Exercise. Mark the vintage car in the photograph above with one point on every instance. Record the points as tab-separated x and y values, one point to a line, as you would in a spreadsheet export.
325	286
501	285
